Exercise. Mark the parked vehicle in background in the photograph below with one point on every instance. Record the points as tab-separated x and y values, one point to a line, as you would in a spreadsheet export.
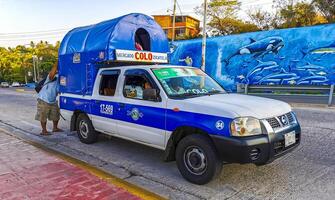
16	84
30	85
4	85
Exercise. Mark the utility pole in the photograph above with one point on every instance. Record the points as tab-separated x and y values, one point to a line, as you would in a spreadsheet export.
203	52
39	61
25	76
174	21
34	64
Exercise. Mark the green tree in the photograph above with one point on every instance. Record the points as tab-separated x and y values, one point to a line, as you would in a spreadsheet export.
263	19
15	63
326	8
187	37
222	18
226	26
292	13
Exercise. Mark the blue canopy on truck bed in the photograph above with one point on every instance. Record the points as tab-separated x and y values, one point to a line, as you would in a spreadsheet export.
83	48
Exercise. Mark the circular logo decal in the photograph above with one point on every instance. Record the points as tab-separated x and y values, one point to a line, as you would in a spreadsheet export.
135	114
284	120
219	125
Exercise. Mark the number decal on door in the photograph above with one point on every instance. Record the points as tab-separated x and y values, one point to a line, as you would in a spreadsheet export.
106	109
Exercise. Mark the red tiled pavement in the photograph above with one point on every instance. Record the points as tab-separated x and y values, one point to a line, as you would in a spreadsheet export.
27	172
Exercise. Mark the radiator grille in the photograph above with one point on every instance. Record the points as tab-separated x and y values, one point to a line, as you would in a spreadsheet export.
290	117
275	121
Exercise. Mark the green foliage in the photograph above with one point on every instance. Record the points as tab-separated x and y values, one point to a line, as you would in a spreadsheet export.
289	14
226	26
263	19
326	8
187	36
16	63
297	15
222	18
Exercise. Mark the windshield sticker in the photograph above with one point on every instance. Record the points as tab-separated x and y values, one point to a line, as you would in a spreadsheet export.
174	72
186	82
197	91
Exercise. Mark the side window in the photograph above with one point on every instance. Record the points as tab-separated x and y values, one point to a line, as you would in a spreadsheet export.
108	82
134	86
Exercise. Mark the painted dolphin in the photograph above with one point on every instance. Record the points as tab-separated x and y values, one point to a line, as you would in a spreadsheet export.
261	67
278	78
310	67
261	47
312	80
329	49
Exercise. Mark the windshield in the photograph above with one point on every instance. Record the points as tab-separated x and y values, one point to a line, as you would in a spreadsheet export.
186	82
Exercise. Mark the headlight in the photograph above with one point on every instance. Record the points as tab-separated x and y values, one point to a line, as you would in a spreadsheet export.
245	126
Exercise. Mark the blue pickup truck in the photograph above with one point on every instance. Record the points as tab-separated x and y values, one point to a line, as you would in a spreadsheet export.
109	86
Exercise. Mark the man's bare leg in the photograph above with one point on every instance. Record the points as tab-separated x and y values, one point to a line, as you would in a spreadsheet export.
44	128
55	127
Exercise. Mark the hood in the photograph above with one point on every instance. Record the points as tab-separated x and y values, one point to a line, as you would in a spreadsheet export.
241	105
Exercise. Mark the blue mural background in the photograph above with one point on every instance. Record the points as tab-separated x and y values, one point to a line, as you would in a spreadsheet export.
296	56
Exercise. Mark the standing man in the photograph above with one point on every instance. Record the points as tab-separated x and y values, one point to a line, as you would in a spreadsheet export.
47	106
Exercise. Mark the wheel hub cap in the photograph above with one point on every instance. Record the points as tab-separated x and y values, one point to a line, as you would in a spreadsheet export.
83	128
195	160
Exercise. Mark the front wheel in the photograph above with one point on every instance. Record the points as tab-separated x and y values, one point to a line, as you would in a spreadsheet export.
197	159
85	130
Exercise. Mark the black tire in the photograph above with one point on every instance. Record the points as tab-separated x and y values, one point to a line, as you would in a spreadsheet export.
197	159
85	130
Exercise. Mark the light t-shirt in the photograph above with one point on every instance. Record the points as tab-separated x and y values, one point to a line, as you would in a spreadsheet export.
49	91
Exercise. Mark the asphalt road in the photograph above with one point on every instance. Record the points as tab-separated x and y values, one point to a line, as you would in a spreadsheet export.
306	173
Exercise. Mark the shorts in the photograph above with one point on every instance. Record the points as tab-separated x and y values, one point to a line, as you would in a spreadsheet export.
46	111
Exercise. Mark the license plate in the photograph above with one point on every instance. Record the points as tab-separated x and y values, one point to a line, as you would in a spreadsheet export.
289	138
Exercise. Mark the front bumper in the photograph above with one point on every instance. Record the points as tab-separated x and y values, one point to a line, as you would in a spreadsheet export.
259	149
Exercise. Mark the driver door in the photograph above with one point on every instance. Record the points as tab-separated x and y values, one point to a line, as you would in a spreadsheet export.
141	120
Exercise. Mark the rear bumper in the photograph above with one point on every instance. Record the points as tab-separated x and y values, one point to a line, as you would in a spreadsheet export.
260	149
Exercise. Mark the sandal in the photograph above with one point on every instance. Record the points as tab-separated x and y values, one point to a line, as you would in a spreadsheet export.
45	134
57	130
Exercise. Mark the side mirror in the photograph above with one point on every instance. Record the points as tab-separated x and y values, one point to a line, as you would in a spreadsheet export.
151	95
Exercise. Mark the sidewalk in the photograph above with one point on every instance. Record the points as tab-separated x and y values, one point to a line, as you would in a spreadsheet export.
27	172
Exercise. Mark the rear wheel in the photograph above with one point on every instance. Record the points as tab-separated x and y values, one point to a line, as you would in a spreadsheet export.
85	130
197	159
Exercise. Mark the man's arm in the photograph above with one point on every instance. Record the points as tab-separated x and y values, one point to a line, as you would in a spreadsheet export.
53	71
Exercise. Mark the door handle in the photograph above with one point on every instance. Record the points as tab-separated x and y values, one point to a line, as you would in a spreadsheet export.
122	105
97	101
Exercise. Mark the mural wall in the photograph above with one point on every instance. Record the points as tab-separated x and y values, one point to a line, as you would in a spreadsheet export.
297	56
